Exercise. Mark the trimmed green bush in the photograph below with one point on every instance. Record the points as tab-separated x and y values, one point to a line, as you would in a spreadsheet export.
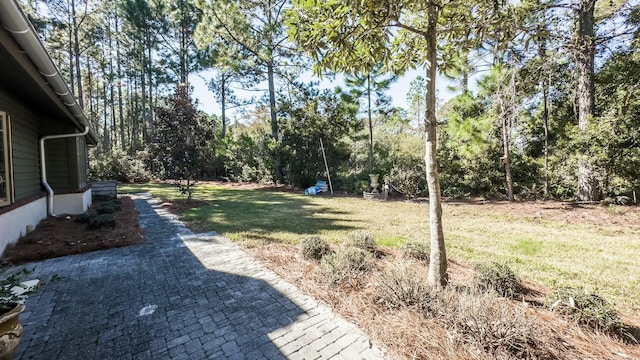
98	221
83	219
499	277
361	240
586	309
314	248
106	208
116	203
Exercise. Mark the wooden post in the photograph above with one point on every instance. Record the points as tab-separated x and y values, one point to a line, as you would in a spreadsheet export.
326	166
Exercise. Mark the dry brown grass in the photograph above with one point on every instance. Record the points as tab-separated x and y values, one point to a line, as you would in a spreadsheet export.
446	334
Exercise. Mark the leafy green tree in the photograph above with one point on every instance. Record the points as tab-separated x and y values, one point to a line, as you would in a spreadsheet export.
416	99
142	27
506	109
232	64
469	146
178	20
370	87
181	135
308	116
614	144
257	27
249	153
399	153
77	19
353	36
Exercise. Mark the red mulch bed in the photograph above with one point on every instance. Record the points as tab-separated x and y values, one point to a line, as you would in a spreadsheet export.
61	236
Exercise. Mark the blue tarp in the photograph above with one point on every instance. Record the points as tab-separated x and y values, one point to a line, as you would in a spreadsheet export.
313	190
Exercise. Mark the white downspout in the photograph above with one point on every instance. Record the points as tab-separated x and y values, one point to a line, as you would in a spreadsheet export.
43	165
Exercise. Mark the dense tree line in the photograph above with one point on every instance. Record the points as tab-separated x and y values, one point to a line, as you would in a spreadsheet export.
555	112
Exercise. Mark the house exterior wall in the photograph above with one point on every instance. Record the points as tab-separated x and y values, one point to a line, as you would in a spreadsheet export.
24	145
66	163
72	204
81	158
58	165
65	158
35	102
66	170
15	222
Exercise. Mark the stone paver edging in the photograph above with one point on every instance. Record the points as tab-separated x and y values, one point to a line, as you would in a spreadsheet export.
180	296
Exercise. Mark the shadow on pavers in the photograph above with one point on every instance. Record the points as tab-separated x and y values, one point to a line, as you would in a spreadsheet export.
150	301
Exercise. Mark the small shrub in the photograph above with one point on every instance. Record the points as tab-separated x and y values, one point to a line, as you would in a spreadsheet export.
586	309
416	250
408	180
102	197
106	208
499	277
117	204
346	266
491	324
314	248
98	221
83	219
401	286
361	240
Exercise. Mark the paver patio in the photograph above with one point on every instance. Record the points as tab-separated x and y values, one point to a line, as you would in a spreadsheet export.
181	296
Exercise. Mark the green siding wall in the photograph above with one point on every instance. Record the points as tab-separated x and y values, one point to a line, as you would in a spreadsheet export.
24	146
66	168
80	155
58	164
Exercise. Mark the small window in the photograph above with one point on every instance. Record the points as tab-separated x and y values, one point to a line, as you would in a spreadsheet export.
5	165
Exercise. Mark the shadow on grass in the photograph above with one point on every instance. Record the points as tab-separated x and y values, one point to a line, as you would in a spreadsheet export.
254	214
261	213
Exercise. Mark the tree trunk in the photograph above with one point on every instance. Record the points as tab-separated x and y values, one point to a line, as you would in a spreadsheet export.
72	78
370	124
184	76
134	119
587	184
465	75
120	102
438	259
223	102
143	84
112	102
105	140
150	85
76	54
90	87
505	156
274	121
545	114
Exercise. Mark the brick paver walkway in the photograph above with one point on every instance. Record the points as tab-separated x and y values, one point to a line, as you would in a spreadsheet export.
178	296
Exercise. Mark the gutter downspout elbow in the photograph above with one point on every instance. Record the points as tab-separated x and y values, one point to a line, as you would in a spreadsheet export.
43	166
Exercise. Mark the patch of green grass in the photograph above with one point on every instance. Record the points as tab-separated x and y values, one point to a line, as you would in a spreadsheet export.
526	246
555	253
391	241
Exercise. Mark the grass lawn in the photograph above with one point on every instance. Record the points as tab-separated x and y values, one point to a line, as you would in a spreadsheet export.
600	258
